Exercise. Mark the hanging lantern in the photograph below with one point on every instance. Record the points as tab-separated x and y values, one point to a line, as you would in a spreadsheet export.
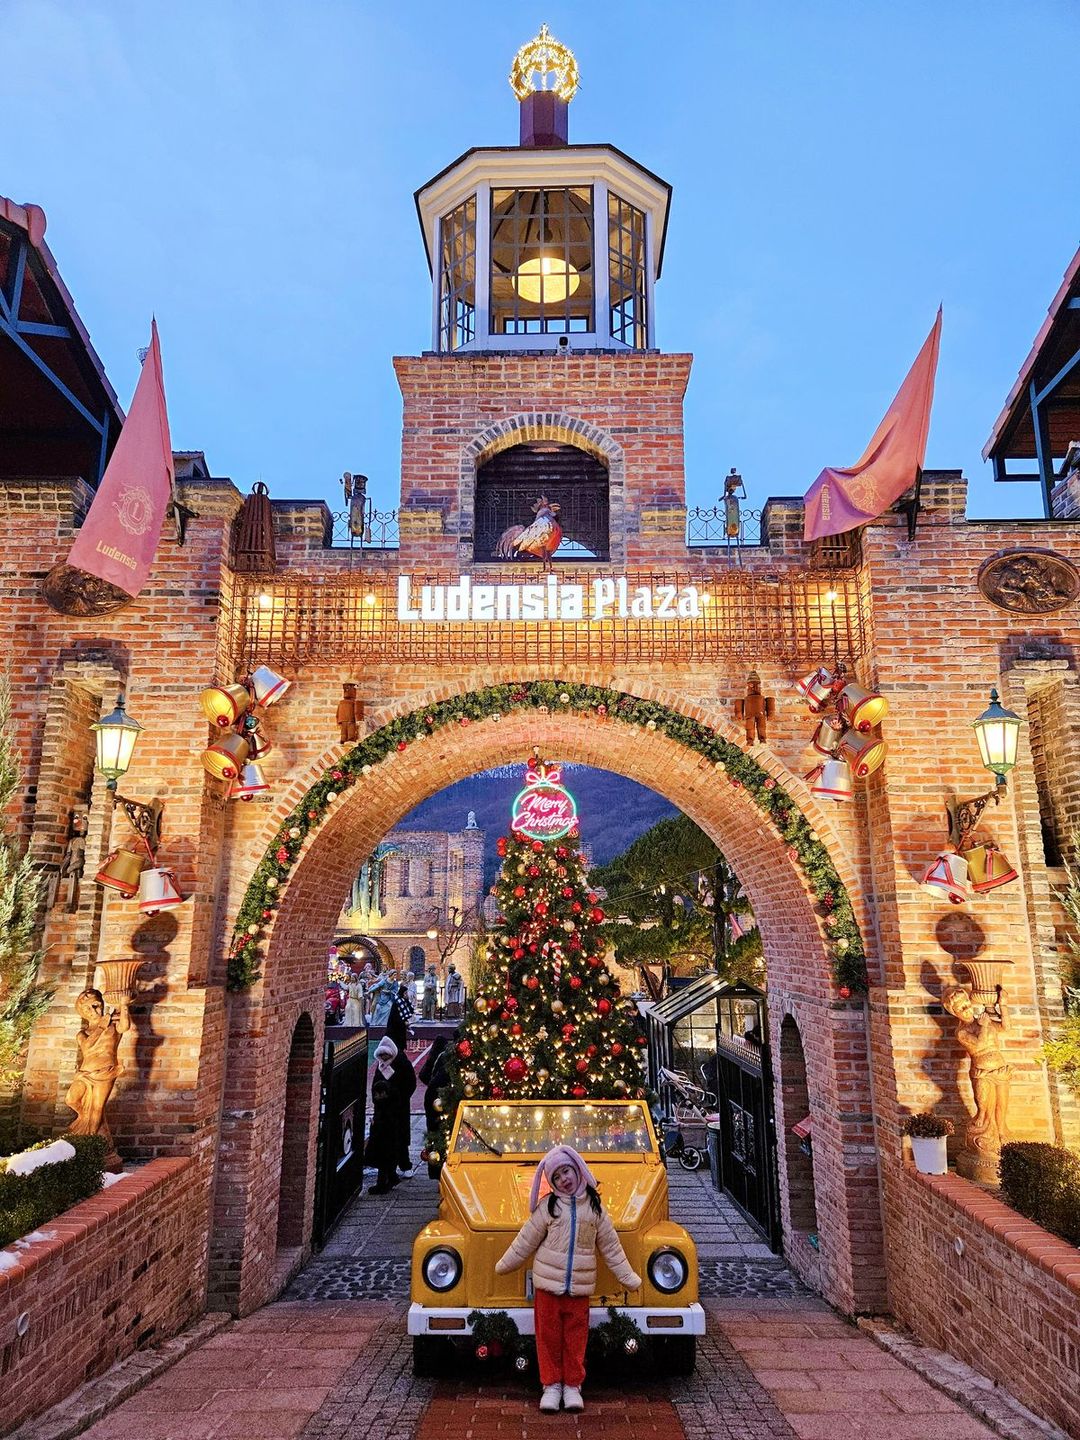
223	705
249	783
997	731
827	736
268	686
948	875
121	872
226	757
810	683
157	890
864	753
988	867
833	781
862	708
114	737
253	533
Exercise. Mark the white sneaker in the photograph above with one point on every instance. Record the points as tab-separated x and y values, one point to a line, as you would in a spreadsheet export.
571	1398
551	1398
405	1174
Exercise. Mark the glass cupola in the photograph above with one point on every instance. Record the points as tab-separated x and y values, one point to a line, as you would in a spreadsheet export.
546	245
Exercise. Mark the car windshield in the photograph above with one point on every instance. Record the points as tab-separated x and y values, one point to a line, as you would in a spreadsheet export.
533	1128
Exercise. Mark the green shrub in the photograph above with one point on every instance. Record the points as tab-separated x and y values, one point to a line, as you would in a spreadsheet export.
1063	1053
926	1127
1043	1183
30	1201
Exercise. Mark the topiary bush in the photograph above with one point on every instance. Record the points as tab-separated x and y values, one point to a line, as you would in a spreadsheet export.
28	1201
1043	1183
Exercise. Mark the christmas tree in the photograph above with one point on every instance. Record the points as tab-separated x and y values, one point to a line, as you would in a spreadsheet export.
549	1022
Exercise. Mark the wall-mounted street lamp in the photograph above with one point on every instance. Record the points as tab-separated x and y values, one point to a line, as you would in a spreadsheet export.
115	738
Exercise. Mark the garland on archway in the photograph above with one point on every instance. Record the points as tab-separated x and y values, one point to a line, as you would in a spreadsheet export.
736	768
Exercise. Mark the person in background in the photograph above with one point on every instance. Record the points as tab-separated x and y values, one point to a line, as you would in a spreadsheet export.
383	1138
434	1073
399	1020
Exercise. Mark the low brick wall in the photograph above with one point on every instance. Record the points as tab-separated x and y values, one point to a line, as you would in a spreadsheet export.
123	1270
1008	1303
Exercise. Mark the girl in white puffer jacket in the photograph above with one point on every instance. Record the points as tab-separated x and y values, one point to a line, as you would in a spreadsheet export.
565	1234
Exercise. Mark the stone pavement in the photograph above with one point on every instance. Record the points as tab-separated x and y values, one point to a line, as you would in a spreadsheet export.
332	1361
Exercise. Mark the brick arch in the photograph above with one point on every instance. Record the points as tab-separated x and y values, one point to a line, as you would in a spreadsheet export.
796	952
566	429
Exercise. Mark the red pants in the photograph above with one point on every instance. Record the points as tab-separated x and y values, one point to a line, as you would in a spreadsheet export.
562	1330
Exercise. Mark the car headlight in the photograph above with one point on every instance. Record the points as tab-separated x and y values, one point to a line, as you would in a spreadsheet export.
441	1269
667	1270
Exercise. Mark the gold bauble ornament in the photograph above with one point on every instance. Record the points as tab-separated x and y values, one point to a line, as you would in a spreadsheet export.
434	1156
557	1007
493	1031
438	1104
481	1005
605	978
470	1091
543	1076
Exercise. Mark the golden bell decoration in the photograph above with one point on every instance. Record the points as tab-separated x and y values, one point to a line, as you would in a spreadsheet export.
862	708
267	685
249	783
864	753
121	872
948	876
224	705
827	736
832	781
226	757
157	890
988	867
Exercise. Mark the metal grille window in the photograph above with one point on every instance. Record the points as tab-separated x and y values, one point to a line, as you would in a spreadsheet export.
457	283
509	486
627	275
541	261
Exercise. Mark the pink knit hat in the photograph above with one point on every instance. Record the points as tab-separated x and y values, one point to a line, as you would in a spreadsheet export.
560	1155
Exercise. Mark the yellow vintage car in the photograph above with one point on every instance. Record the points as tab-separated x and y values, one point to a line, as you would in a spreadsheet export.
494	1149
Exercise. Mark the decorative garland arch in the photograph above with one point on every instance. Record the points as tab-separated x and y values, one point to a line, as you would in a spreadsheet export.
742	771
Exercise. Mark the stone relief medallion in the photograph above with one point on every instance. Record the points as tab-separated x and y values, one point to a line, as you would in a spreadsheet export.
73	592
1030	582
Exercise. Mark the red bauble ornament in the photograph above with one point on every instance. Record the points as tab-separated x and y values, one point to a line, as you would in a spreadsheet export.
538	846
579	1092
575	982
590	1050
282	855
519	954
540	908
592	897
482	1352
604	1006
497	1092
640	1040
616	1048
515	1029
510	1003
515	1070
582	1067
594	960
504	1014
577	907
402	744
596	915
533	870
532	982
567	1031
519	891
844	992
567	891
464	1049
533	949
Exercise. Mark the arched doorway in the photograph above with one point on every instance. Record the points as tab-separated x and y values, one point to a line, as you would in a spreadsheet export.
757	813
296	1186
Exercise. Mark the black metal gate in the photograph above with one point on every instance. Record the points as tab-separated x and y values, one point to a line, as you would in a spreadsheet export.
748	1132
342	1121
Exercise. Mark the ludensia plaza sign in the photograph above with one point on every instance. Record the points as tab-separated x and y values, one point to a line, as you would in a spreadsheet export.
604	598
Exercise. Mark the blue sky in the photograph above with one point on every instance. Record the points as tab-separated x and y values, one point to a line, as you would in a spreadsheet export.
245	168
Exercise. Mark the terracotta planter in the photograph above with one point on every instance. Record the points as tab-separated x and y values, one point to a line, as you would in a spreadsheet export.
930	1154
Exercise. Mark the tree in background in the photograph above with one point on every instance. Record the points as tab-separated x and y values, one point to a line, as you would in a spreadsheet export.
679	904
21	999
548	1021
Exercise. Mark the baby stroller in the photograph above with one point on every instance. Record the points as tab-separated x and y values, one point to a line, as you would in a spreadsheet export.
685	1134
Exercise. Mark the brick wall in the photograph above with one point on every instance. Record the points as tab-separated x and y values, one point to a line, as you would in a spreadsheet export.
122	1270
972	1277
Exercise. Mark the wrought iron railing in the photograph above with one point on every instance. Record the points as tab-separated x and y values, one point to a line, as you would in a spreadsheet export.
719	525
378	532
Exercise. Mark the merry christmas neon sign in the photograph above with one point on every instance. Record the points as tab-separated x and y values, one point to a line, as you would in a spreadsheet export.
545	809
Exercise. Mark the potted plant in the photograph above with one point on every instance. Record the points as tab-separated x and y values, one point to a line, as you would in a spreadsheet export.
928	1134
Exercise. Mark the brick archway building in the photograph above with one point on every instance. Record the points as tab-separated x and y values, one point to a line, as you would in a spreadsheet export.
209	1083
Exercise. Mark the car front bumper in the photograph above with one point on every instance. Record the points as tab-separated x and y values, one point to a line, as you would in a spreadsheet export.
666	1321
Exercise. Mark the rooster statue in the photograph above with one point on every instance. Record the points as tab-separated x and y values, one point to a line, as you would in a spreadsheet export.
539	540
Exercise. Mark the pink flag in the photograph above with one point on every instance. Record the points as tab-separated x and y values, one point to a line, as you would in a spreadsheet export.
840	500
121	531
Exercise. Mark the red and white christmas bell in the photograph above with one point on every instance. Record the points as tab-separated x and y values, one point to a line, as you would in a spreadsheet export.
267	685
864	753
249	783
832	781
862	708
948	875
815	685
157	890
226	757
988	867
827	736
223	705
121	872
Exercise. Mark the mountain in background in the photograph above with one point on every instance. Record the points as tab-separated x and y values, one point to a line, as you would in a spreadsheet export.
613	811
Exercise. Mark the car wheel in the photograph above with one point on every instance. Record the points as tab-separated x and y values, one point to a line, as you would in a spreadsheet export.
676	1355
690	1159
429	1356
